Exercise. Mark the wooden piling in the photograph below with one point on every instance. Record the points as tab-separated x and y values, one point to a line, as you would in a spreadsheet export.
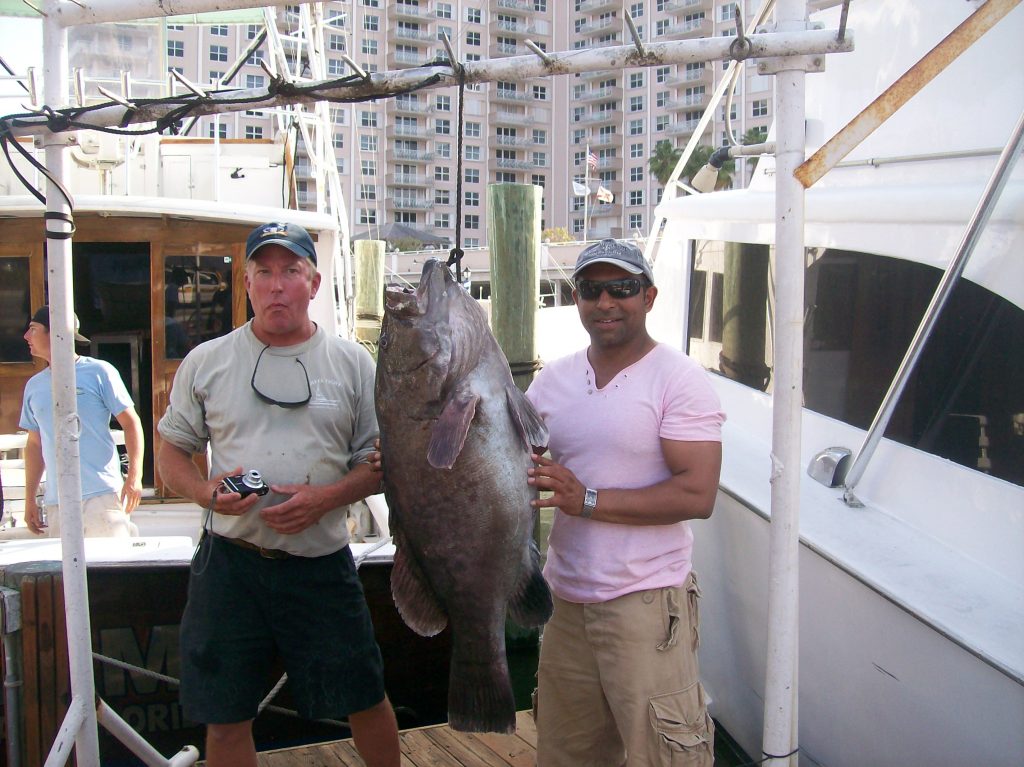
513	227
369	262
744	309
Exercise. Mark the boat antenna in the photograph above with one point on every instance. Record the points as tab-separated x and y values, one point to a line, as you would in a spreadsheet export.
456	253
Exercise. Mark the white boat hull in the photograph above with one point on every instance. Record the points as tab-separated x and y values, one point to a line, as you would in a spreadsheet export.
877	685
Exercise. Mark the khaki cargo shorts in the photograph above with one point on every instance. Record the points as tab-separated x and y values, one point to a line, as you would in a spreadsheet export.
618	683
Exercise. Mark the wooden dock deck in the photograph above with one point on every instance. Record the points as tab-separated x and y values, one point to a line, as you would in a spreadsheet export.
436	746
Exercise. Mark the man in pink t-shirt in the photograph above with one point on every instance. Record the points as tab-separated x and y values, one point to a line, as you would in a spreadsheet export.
635	453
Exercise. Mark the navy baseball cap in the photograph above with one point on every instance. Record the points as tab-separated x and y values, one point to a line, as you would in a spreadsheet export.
624	255
42	317
291	236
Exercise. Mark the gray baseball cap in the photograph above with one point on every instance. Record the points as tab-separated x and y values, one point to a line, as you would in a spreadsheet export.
624	255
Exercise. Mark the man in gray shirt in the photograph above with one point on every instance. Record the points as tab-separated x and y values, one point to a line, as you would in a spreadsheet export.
273	576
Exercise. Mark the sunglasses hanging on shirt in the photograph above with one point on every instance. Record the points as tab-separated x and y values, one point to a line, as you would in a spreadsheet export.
276	380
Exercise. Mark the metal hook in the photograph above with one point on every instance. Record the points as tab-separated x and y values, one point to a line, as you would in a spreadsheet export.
188	84
842	19
355	67
37	10
115	97
740	48
456	65
637	42
537	50
78	79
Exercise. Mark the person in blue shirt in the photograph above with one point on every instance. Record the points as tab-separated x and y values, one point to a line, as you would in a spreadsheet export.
107	498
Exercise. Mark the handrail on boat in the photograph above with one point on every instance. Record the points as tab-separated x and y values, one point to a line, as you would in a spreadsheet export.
989	198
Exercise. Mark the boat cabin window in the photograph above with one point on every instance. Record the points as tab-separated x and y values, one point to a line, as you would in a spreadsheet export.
197	301
17	308
964	401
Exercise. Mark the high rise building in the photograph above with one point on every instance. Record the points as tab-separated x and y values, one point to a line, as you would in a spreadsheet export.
399	158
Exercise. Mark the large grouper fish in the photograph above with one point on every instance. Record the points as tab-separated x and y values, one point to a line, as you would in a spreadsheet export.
456	437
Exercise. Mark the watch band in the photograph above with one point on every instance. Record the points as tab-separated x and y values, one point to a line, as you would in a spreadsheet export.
589	503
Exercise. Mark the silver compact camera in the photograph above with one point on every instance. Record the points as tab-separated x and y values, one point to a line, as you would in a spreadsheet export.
246	483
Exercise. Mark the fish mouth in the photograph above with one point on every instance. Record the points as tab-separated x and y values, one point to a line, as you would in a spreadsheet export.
435	279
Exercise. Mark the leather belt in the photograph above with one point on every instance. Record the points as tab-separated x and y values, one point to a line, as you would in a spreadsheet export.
242	544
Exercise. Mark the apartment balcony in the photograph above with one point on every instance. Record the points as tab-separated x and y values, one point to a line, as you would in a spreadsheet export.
506	117
409	106
400	59
523	6
598	94
398	11
596	26
515	28
607	139
416	35
408	131
591	6
609	163
411	155
516	141
676	7
509	95
691	77
686	30
688	101
605	209
682	127
406	179
599	117
498	50
515	164
408	203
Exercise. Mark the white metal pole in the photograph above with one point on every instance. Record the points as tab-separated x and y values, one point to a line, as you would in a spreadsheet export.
65	407
586	198
780	700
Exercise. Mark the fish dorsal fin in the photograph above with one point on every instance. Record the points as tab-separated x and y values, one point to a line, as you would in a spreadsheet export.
449	432
415	599
527	420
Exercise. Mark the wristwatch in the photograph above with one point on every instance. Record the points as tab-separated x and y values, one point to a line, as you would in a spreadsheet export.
589	503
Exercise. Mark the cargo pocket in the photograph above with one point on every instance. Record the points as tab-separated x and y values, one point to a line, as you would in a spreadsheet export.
693	598
684	733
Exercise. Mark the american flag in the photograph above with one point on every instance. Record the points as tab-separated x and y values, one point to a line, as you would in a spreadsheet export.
592	160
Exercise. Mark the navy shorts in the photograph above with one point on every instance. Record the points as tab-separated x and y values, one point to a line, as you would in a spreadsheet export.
245	613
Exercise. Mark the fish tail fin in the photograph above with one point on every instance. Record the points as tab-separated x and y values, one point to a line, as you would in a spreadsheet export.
531	604
480	696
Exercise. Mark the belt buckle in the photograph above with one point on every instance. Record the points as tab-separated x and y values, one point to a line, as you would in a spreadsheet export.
268	553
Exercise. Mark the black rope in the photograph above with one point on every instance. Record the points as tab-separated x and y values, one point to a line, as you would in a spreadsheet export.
525	368
456	254
66	218
768	757
6	141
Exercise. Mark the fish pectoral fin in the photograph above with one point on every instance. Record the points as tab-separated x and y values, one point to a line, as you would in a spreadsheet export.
527	420
531	604
449	432
415	599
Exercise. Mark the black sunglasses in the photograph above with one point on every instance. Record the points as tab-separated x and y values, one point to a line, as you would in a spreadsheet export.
271	400
627	287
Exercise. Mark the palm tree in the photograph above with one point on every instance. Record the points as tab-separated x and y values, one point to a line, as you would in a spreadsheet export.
699	158
665	158
663	161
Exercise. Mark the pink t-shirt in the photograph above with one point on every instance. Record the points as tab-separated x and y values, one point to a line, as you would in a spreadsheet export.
610	438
